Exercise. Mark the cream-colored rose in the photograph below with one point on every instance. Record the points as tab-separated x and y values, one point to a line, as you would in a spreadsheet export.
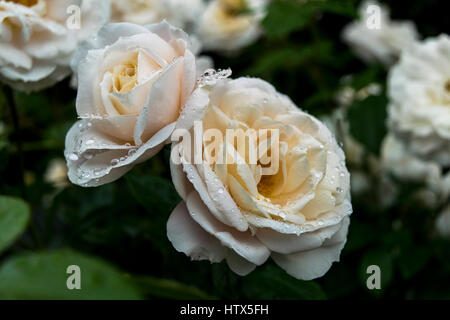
132	83
375	37
180	13
228	25
419	92
297	214
39	37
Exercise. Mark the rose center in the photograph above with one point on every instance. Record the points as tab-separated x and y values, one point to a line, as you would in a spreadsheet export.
125	75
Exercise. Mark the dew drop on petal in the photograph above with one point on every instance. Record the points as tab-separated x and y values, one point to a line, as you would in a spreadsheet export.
73	157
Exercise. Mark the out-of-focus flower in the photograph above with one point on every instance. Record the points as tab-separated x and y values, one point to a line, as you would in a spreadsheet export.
132	83
419	92
396	159
233	209
375	37
56	173
228	25
39	37
180	13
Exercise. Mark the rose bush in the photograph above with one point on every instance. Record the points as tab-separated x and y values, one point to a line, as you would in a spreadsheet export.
37	41
298	214
133	82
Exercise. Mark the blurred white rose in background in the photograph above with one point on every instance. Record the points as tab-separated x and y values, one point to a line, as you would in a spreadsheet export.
228	25
180	13
419	93
382	40
39	37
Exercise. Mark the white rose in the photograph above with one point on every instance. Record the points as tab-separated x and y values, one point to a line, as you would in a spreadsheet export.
180	13
133	82
419	92
228	25
39	37
382	44
396	159
299	215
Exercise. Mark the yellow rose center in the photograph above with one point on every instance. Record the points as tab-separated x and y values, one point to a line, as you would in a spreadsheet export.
125	75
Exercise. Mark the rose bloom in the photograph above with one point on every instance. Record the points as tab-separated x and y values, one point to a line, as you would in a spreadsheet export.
180	13
383	44
419	93
39	37
298	214
228	25
133	82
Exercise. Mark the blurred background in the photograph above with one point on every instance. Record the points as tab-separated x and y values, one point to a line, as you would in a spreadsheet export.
117	232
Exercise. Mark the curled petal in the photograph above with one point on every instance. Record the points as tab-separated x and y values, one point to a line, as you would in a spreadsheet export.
312	264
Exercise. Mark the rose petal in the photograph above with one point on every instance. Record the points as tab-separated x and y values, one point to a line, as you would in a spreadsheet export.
188	237
243	243
312	264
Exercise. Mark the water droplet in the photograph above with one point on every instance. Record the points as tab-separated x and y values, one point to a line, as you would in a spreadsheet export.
131	152
127	144
220	191
114	162
90	141
339	190
123	158
73	157
97	172
88	155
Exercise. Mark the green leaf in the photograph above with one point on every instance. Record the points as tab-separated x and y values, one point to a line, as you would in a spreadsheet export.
412	260
153	192
271	282
285	17
14	216
360	236
169	289
44	276
368	122
287	58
